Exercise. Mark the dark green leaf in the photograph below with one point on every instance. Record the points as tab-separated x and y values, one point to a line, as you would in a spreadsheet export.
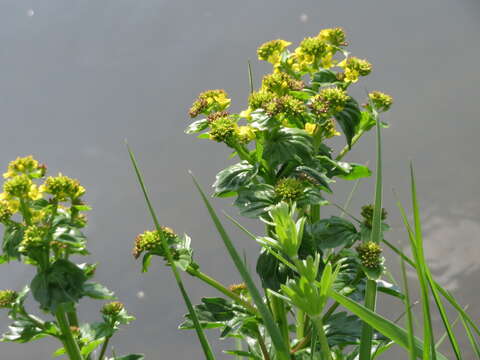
234	177
12	237
255	201
261	121
349	119
287	144
331	233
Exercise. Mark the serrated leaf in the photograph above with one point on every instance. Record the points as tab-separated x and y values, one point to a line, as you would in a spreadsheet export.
349	119
197	126
234	177
287	144
97	291
256	200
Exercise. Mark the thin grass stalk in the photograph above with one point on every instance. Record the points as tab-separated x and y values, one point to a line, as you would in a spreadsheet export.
270	325
408	310
207	350
471	337
376	236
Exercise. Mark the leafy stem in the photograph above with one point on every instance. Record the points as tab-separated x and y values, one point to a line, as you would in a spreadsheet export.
71	346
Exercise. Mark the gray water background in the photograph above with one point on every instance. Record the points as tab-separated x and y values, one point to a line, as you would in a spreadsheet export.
78	77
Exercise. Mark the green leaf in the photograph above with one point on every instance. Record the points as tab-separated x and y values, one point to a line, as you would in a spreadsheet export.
12	237
130	357
321	179
270	325
390	289
91	346
357	171
197	126
323	78
287	144
23	331
343	329
331	233
97	291
261	121
234	177
383	325
255	200
271	271
301	95
349	119
61	283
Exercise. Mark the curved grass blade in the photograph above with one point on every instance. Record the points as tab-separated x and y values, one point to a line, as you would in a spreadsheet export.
471	337
207	350
381	324
270	325
408	310
250	76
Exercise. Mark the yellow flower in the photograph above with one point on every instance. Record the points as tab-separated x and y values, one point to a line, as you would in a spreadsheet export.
310	128
245	134
271	51
335	36
280	83
354	68
25	165
210	101
62	188
380	100
329	102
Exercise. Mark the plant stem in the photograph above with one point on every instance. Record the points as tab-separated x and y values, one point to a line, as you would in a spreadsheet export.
347	148
324	347
300	326
71	346
367	331
218	286
104	348
280	316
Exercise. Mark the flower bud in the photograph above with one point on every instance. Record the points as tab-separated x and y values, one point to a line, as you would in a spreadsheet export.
381	101
259	99
33	239
223	129
311	50
289	188
19	186
238	288
329	102
112	309
150	241
367	214
354	68
63	188
370	254
7	298
286	105
5	211
281	83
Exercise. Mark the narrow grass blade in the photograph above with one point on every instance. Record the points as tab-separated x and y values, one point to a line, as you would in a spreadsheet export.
422	277
445	334
349	198
467	320
381	324
272	328
426	270
471	337
250	76
207	350
376	236
408	310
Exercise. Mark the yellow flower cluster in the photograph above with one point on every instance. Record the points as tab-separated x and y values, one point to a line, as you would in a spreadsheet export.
25	165
381	101
271	51
20	186
7	298
329	102
354	68
62	188
112	309
280	83
210	101
34	237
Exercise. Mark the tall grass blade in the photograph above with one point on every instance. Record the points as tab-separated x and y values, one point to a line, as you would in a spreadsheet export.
272	328
376	236
250	76
408	310
381	324
207	350
426	270
471	337
445	334
466	319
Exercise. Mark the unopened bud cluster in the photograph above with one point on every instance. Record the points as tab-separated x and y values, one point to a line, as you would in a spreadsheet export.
151	241
112	309
367	214
7	298
289	189
370	254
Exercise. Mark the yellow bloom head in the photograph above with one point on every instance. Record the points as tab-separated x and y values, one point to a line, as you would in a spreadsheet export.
271	51
381	101
63	188
210	101
245	134
329	102
25	165
335	36
354	68
280	83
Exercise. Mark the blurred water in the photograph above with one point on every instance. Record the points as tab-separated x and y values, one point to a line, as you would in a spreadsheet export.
79	77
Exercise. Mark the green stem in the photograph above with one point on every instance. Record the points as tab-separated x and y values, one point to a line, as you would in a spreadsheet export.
280	315
104	348
367	331
324	347
347	148
72	318
218	286
314	213
300	326
25	212
71	346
